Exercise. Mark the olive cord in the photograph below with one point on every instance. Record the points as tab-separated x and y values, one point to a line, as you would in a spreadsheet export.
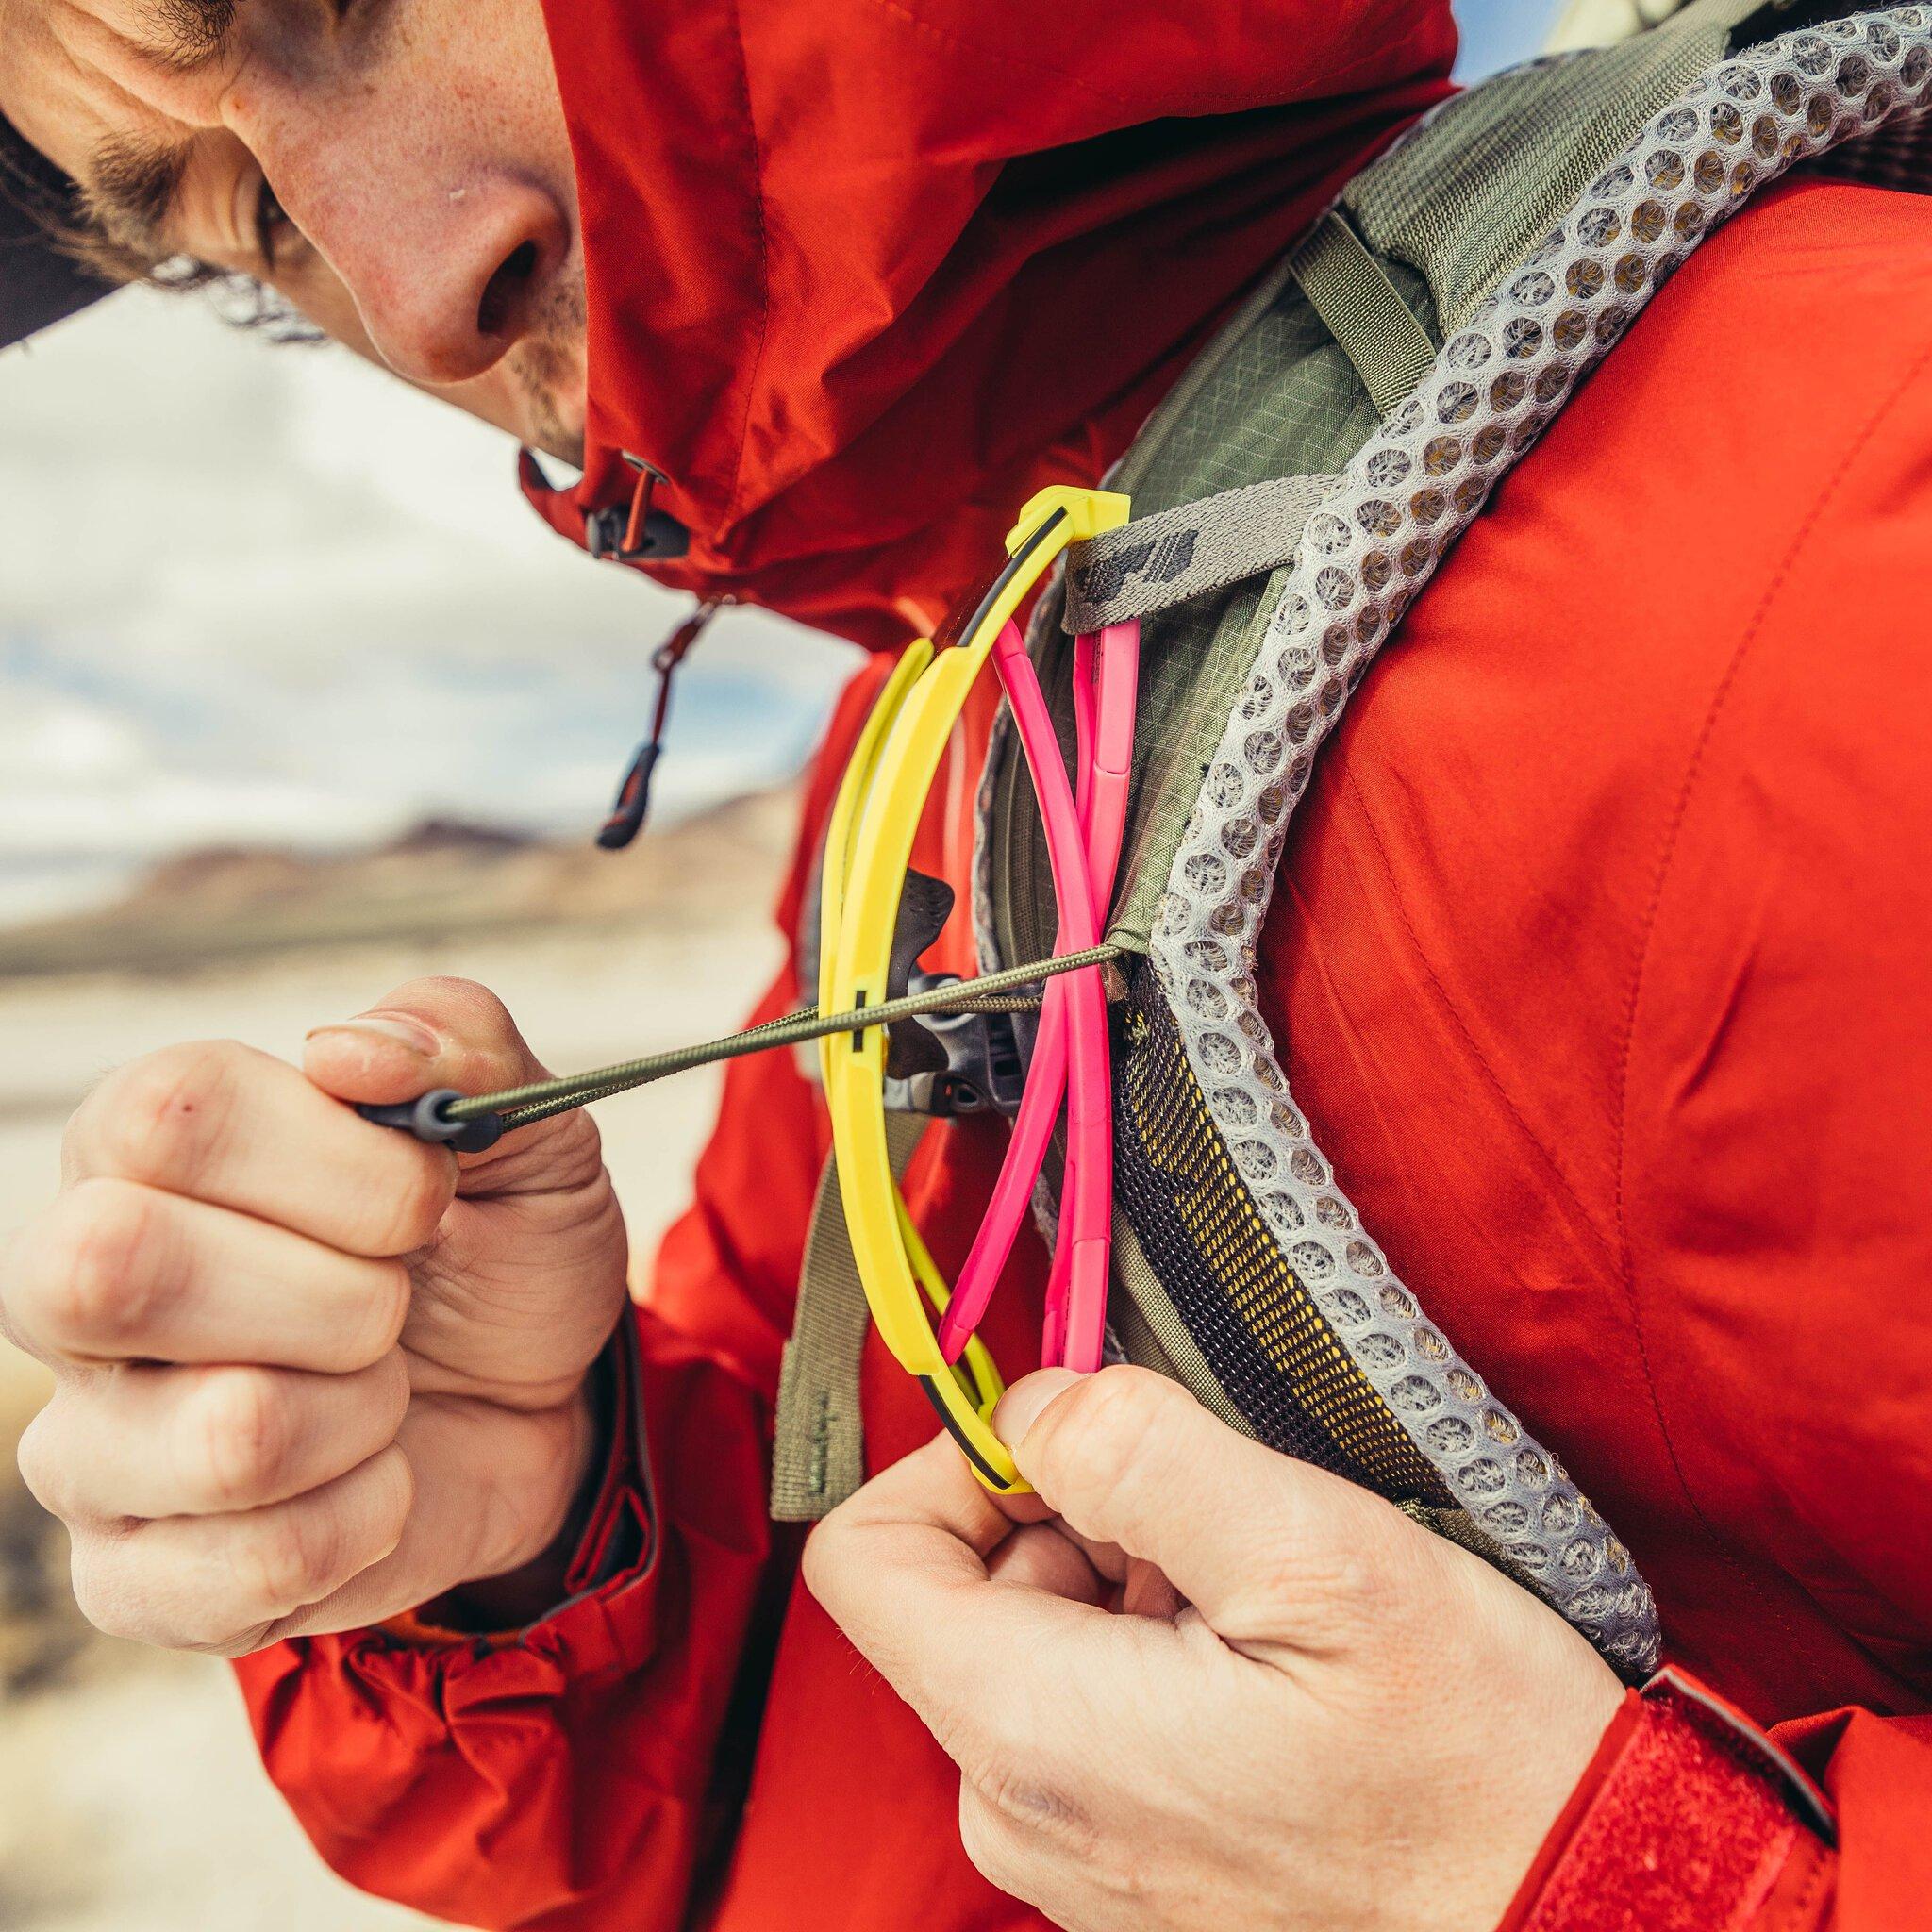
991	993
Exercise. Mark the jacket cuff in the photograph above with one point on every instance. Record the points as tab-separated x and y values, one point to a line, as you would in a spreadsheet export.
1688	1817
619	1536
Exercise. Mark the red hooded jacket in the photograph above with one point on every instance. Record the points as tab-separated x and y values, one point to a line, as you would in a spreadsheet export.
1604	943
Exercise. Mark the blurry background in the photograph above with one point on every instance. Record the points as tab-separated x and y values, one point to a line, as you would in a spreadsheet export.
298	700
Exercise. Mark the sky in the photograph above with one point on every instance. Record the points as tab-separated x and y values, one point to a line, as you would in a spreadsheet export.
263	595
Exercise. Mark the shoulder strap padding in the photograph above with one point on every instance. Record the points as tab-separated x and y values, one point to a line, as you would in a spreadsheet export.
1473	189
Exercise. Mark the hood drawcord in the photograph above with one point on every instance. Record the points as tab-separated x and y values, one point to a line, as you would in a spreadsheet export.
640	532
633	804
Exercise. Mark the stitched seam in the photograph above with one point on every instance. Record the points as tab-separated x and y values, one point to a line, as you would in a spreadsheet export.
757	203
1449	1007
1806	1910
1667	857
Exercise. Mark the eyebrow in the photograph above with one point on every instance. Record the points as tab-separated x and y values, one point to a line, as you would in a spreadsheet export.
188	33
130	189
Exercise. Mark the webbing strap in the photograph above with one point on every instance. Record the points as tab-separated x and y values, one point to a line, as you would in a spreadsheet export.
1363	310
1157	562
818	1453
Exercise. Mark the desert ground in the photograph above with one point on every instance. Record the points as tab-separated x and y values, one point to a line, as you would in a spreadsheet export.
130	1796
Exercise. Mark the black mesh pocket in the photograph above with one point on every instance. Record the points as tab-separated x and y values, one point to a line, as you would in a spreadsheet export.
1231	1287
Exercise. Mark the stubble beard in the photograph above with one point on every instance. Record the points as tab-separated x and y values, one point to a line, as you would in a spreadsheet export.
548	369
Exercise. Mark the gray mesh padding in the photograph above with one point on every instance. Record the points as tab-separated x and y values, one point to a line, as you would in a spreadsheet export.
1407	495
1275	380
1465	194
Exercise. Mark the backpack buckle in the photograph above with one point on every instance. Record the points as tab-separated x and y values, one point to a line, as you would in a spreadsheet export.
984	1072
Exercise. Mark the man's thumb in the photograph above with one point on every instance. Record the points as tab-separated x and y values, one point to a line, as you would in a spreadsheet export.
1128	1458
427	1034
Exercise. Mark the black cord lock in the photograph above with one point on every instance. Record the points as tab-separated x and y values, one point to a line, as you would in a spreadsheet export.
636	532
427	1119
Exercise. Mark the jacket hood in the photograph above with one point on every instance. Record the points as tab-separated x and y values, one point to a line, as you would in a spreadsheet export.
862	273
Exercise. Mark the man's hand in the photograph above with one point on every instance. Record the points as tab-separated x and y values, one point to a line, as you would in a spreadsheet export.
309	1372
1195	1684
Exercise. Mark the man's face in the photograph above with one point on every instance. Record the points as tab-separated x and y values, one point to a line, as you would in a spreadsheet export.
398	170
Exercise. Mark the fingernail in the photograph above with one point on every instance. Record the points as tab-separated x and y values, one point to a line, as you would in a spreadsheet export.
397	1026
1021	1405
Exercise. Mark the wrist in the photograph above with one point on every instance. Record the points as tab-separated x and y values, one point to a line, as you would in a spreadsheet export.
529	1579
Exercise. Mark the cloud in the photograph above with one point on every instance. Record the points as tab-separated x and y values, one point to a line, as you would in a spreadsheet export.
259	594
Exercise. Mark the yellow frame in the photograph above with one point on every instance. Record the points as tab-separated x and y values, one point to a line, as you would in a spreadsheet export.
868	851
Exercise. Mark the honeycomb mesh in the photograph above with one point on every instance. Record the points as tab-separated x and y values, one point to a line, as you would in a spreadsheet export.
1410	492
1467	193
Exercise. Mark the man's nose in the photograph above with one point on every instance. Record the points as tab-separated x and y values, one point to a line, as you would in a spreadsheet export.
448	254
447	283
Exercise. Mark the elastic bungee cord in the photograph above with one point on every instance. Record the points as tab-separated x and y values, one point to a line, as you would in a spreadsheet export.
472	1122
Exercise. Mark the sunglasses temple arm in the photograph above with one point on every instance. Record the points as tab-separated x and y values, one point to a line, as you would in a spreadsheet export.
1053	1342
1087	1220
1046	1084
1106	758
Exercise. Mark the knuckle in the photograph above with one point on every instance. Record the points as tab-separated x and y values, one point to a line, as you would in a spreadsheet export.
240	1437
825	1555
1032	1804
284	1561
376	1327
389	1390
100	1604
399	1477
160	1118
131	1588
108	1596
42	1468
100	1278
991	1845
1342	1585
409	1211
1101	1426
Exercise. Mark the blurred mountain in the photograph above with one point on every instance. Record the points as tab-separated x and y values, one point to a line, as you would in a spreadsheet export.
445	876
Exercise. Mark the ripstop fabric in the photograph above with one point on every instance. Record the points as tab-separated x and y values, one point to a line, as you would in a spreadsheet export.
863	275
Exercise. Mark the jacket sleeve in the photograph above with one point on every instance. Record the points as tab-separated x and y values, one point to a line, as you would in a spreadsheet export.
571	1774
1774	1142
1688	1817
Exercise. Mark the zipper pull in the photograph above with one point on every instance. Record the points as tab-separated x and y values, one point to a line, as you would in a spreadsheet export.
633	804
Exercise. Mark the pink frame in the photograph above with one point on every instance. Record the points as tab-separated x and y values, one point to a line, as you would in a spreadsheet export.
1071	1056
